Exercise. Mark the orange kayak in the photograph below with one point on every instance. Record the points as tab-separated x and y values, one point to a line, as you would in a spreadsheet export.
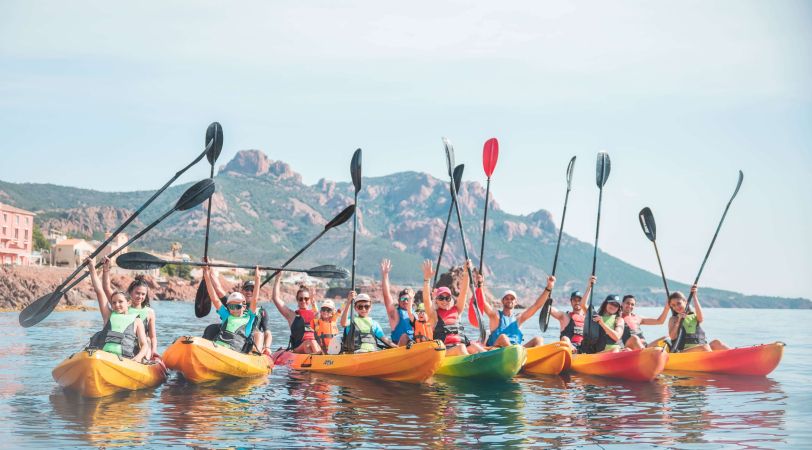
635	365
413	364
758	360
200	360
550	359
96	373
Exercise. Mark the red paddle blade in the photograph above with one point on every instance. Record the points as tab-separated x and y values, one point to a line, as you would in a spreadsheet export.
490	153
471	312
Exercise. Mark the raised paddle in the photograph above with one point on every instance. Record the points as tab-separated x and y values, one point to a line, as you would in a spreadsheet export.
202	301
603	166
680	330
490	154
456	185
544	315
42	307
148	261
340	218
449	155
355	174
650	230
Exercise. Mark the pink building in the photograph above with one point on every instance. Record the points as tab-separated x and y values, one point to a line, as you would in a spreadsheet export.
16	235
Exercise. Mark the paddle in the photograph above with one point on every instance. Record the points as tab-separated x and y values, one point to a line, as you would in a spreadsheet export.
147	261
42	307
490	154
650	230
680	330
355	173
544	315
202	301
449	154
591	331
456	185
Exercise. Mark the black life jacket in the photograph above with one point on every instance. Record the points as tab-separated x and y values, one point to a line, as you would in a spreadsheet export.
628	332
362	337
237	339
574	330
441	329
299	327
695	338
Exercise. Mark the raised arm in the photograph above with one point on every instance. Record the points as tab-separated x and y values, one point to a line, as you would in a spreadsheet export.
428	272
587	292
540	301
104	302
350	300
659	320
218	288
673	325
386	266
108	287
697	306
463	297
210	289
486	296
252	302
276	298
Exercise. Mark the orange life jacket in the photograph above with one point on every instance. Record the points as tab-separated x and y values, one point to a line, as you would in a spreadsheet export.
325	330
422	331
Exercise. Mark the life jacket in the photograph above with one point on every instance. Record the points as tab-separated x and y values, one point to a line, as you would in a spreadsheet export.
233	333
362	339
301	329
694	334
325	331
117	336
143	314
604	342
509	326
403	326
575	328
629	332
422	331
448	328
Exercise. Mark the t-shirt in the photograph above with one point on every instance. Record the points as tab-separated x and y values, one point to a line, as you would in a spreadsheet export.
375	329
224	314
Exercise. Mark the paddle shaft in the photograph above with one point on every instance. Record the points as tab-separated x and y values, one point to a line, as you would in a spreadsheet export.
662	272
544	321
290	260
208	220
484	226
588	324
442	243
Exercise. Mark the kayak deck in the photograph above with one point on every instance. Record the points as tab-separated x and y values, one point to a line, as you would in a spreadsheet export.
634	365
413	364
550	359
758	360
96	373
201	360
501	363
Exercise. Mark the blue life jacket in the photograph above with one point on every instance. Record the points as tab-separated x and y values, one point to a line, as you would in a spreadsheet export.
509	327
403	326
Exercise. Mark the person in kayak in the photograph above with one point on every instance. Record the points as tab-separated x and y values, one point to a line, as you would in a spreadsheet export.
364	332
326	325
504	327
694	339
123	333
264	339
632	335
572	323
236	330
138	291
446	316
302	337
611	325
421	324
400	316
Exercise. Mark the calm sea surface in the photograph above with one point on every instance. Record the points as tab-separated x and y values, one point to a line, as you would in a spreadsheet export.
291	409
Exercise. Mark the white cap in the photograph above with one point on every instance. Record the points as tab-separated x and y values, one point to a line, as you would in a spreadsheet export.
362	298
328	304
235	297
510	292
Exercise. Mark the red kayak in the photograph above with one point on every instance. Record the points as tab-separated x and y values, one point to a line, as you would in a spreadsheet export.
758	360
634	365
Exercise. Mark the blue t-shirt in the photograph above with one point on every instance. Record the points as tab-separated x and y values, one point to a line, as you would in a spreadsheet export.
224	314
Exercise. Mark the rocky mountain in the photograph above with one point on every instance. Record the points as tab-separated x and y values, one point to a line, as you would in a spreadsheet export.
263	212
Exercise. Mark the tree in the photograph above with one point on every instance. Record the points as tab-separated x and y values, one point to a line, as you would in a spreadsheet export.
40	242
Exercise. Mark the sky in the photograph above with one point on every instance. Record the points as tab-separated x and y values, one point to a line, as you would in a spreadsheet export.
682	95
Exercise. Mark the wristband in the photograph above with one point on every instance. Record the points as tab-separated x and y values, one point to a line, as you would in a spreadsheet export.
548	289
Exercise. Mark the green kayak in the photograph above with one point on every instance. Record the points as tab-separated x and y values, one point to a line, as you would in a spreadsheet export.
501	363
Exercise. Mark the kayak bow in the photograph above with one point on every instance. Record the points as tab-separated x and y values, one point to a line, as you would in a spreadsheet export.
200	360
96	373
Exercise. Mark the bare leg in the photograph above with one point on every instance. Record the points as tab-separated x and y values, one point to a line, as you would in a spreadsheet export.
716	344
699	348
475	347
268	339
404	339
634	343
501	341
535	342
148	356
258	341
458	349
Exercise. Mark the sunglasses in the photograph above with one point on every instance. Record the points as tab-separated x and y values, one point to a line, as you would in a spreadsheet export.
362	307
236	306
248	289
404	299
326	310
443	298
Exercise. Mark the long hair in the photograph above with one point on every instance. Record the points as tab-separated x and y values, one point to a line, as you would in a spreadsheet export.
139	281
602	309
677	295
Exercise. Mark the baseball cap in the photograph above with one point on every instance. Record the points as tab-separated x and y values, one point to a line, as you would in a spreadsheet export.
510	292
576	294
362	298
235	297
328	304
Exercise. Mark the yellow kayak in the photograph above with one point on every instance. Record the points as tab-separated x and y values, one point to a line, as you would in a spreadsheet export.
200	360
96	373
550	359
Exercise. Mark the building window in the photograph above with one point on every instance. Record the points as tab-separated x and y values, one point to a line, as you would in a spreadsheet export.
25	235
16	233
26	220
17	219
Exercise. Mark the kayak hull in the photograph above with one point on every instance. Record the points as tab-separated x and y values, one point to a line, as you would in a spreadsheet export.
501	363
96	373
550	359
200	361
758	360
414	364
634	365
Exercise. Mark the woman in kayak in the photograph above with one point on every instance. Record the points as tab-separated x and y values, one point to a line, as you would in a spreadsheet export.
611	331
504	327
123	333
364	332
572	323
138	291
326	325
302	337
446	317
237	327
694	338
632	335
400	316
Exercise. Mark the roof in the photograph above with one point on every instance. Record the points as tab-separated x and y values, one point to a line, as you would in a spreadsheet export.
9	208
73	242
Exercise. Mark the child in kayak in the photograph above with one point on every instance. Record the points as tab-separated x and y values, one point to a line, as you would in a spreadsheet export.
364	332
632	335
400	316
572	323
421	324
611	331
263	338
694	338
236	330
326	325
123	333
504	327
138	291
302	337
446	317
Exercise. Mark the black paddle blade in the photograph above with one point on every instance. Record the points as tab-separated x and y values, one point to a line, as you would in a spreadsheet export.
202	300
738	185
544	317
329	271
139	261
196	194
39	309
647	223
458	176
570	168
355	170
449	156
602	167
342	217
214	133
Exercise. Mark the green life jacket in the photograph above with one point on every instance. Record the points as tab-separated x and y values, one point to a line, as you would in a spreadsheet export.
610	321
117	336
694	334
363	339
233	332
